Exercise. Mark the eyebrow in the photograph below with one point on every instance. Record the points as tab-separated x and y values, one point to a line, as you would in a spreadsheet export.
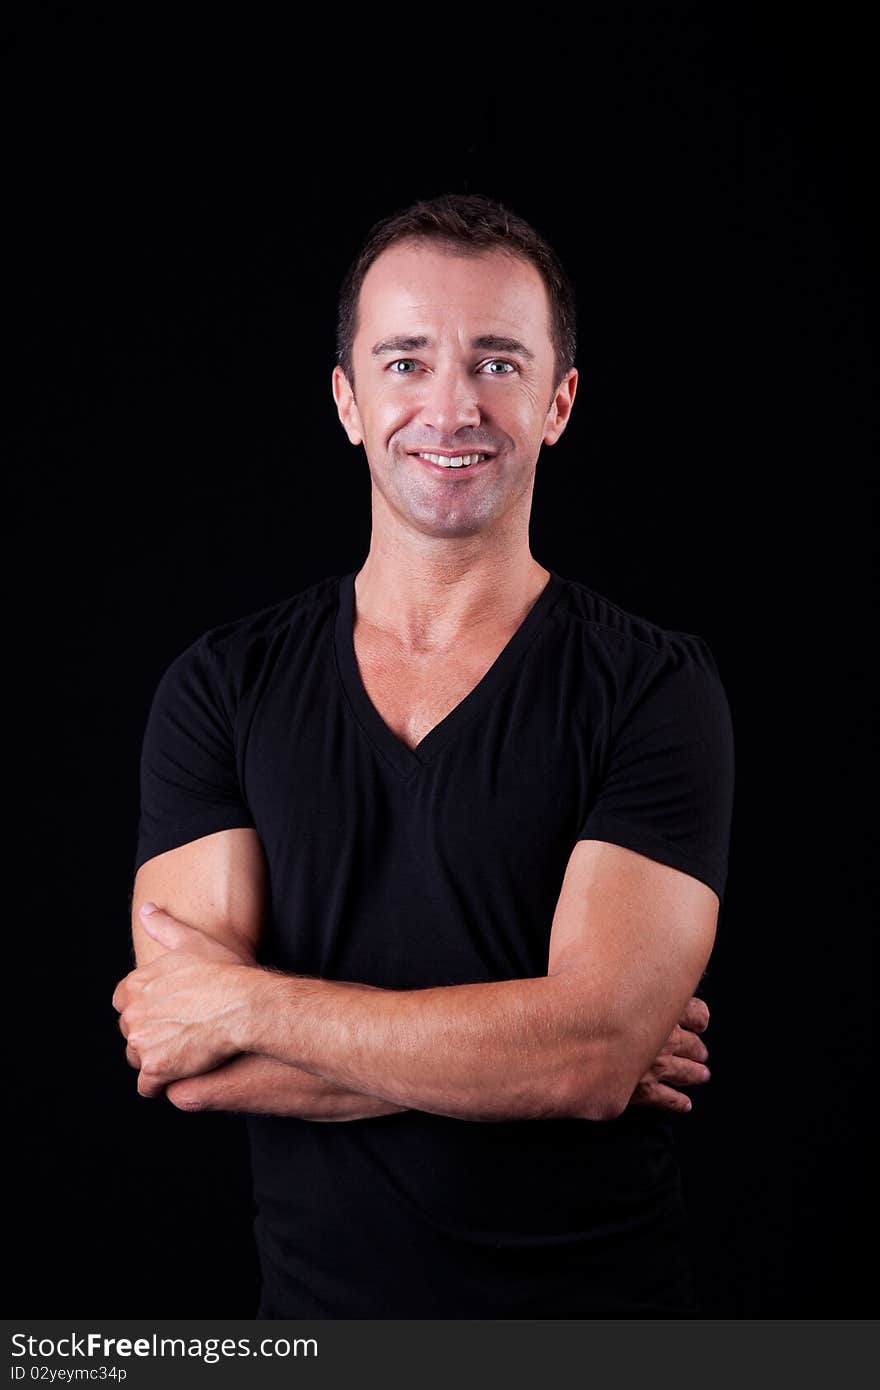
491	342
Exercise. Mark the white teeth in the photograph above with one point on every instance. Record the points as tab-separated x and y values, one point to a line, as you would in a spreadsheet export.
464	462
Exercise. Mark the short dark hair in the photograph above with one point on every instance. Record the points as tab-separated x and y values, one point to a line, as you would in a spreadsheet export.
467	224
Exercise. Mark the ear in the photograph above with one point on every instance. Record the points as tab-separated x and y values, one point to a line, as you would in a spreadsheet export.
560	407
346	407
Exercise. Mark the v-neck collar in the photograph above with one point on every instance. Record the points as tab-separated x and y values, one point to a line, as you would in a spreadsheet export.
408	760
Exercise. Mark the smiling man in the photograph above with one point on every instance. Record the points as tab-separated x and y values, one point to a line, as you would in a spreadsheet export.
438	848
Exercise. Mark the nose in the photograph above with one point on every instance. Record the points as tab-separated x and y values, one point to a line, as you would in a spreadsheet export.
450	399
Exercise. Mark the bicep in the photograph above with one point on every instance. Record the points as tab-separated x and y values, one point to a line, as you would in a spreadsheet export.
198	854
633	936
218	883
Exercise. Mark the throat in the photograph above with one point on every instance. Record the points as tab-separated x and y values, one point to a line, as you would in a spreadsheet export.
412	695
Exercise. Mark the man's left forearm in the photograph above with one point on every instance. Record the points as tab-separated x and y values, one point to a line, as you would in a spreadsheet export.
513	1049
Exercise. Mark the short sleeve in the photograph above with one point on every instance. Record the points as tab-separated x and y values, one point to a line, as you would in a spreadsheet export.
667	788
189	784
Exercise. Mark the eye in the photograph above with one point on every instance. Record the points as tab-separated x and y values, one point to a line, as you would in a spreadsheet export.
493	361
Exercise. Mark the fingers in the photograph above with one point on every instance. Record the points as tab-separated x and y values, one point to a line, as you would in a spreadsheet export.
149	1085
680	1071
166	929
675	1071
176	935
120	993
673	1100
128	988
181	936
132	1056
695	1015
683	1043
661	1097
191	1093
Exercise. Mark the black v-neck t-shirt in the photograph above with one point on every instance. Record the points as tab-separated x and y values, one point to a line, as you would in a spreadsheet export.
442	865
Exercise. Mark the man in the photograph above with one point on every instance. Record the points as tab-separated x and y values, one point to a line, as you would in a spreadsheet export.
472	820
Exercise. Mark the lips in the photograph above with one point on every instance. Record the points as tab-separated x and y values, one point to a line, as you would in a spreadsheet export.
454	453
450	470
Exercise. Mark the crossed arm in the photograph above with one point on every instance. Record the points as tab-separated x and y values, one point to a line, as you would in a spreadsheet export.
612	1020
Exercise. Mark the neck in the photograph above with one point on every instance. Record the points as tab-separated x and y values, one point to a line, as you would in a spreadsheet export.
441	595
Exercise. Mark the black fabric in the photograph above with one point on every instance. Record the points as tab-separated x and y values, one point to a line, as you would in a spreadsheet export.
442	865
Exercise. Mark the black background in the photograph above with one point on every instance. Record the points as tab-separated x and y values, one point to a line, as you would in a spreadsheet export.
182	206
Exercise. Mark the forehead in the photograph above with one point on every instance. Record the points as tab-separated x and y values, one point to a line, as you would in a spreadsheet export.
420	284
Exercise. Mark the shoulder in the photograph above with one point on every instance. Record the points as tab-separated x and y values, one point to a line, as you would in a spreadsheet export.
228	659
237	643
295	614
637	663
629	640
579	604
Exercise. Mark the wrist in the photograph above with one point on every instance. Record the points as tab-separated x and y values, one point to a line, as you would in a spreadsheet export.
255	997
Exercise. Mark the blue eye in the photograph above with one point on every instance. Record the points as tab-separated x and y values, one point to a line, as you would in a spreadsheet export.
492	361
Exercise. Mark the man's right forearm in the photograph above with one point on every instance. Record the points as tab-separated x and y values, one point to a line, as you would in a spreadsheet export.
258	1085
252	1084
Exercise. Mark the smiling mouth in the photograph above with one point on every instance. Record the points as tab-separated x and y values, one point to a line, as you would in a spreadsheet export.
454	462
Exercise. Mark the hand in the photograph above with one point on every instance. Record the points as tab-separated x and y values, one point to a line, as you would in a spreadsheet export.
679	1060
172	933
178	1013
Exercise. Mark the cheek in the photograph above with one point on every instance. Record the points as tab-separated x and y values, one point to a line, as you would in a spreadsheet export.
385	419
